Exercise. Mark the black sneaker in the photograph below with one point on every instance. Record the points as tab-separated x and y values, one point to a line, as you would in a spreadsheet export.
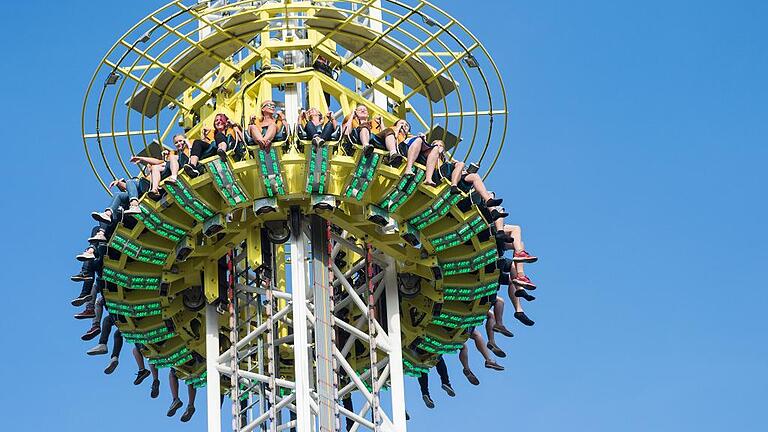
155	392
493	202
368	150
455	190
111	366
395	160
523	318
188	413
498	352
495	214
81	300
141	376
191	170
448	389
428	401
175	405
521	293
222	154
81	277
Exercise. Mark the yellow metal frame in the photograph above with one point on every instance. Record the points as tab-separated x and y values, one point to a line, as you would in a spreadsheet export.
151	48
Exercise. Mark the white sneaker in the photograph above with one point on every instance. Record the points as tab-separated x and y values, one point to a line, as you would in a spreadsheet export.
133	209
98	350
99	237
86	256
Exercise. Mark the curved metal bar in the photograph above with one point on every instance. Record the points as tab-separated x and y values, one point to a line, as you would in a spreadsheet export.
390	19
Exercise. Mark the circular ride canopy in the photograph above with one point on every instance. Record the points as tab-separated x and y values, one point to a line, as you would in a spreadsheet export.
183	64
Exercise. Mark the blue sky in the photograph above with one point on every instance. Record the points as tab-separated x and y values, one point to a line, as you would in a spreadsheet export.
636	161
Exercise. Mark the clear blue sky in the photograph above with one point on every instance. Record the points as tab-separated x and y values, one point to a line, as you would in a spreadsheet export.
636	160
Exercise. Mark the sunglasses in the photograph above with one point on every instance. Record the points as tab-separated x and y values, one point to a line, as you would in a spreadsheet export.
268	106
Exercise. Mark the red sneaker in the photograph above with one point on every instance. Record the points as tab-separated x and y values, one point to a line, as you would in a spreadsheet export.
523	281
88	313
525	257
94	331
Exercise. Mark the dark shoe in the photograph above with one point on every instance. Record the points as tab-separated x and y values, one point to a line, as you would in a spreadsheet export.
495	214
81	277
471	377
190	411
368	150
498	328
141	376
521	293
498	352
98	350
490	364
222	154
88	313
395	160
493	202
154	196
503	237
448	389
92	332
175	405
523	318
83	299
455	190
428	401
111	366
155	392
191	170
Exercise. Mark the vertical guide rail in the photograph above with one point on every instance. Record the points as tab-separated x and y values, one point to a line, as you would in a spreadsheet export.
211	362
299	309
324	327
233	336
375	403
271	387
396	377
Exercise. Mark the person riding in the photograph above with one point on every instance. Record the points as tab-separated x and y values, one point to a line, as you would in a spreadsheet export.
264	128
224	136
320	129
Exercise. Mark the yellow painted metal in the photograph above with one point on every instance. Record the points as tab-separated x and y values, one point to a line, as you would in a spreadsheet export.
239	88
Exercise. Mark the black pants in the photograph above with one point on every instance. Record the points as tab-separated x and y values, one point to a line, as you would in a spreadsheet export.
325	133
202	149
347	403
442	370
117	340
